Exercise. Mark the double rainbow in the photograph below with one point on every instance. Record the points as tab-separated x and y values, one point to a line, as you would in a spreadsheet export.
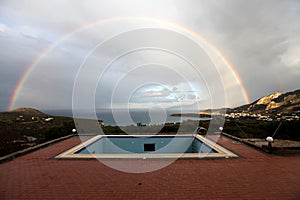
34	64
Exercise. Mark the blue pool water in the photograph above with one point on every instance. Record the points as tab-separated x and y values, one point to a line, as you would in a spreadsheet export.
152	145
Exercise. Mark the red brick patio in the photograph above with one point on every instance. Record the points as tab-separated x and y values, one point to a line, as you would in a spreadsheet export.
254	175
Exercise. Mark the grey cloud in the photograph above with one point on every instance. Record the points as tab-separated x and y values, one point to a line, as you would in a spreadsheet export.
260	39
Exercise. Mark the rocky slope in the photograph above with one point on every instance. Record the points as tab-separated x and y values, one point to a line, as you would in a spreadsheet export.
276	103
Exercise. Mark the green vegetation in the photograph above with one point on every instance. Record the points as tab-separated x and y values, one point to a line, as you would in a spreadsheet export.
250	128
245	128
17	131
21	132
58	131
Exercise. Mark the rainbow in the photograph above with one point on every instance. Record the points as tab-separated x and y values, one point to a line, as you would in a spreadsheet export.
33	65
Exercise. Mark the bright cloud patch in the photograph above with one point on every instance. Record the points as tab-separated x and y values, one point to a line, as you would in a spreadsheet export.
30	32
160	96
4	30
291	57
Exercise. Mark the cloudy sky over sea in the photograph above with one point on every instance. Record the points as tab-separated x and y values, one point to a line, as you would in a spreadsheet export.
138	54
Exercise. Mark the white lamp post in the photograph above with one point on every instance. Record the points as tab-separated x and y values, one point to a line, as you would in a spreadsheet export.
221	129
74	130
270	140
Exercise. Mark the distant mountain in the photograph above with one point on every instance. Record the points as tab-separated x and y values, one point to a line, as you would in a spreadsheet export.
23	112
28	111
276	103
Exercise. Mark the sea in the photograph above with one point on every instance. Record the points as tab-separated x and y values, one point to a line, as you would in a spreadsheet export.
120	118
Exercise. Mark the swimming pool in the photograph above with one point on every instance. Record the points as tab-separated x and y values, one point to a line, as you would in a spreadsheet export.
147	146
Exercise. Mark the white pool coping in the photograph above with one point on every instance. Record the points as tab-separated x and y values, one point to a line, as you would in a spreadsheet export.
222	152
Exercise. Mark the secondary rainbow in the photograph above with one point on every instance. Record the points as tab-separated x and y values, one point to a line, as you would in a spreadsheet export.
34	64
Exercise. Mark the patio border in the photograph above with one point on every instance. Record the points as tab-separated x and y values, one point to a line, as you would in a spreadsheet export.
22	152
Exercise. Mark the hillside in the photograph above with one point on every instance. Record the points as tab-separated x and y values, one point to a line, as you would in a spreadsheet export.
279	106
274	104
27	111
26	127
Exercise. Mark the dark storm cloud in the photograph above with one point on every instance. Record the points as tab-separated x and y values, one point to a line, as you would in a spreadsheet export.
260	38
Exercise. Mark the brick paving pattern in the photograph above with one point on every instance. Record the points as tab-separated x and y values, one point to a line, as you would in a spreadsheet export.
255	175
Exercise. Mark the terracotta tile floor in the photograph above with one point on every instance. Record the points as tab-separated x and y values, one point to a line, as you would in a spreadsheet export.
254	175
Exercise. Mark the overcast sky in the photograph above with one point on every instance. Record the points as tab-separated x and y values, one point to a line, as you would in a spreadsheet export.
261	39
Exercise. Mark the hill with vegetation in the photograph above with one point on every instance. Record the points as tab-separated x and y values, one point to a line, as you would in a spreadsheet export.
26	127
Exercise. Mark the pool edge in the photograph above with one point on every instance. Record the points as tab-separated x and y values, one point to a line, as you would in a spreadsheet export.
222	151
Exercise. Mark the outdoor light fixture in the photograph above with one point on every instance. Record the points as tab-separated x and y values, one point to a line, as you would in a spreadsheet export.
221	129
269	139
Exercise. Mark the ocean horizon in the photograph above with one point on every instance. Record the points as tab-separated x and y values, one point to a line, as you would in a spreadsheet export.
120	118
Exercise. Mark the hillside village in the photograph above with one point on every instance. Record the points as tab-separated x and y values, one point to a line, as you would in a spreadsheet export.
261	117
273	107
